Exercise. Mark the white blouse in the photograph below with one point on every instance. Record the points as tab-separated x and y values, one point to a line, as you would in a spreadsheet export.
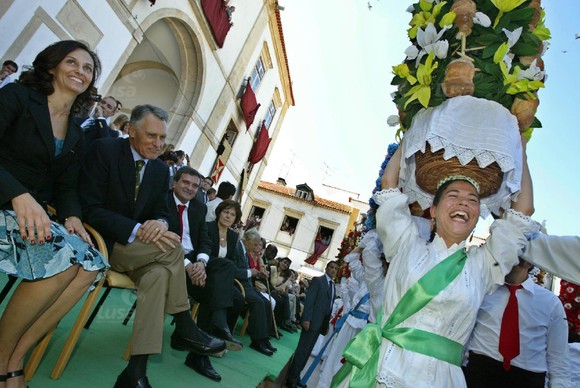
452	313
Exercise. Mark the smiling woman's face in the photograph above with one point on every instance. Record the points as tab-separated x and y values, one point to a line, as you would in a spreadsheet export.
457	212
74	73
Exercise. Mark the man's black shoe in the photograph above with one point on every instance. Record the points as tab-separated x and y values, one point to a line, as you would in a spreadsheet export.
300	385
287	328
123	381
203	366
201	344
269	345
260	346
273	334
232	344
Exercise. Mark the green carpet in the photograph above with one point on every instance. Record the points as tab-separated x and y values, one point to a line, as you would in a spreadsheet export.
97	359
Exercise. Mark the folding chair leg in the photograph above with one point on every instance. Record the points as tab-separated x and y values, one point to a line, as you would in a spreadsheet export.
9	284
245	324
97	307
75	332
127	353
36	355
130	313
194	311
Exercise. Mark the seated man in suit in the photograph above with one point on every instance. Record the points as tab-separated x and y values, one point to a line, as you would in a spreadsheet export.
209	279
260	325
97	126
315	318
123	188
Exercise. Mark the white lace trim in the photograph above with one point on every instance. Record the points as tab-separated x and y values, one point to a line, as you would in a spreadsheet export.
389	380
381	196
467	128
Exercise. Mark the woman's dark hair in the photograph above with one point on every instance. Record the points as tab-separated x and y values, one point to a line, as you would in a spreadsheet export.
437	199
287	272
169	155
227	204
38	77
443	187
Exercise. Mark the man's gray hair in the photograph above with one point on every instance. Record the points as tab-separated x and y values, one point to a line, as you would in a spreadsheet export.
140	111
251	234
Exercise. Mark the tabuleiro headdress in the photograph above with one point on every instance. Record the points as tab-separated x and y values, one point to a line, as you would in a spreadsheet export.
467	89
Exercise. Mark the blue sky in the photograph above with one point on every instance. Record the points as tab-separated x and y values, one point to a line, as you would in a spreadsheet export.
340	56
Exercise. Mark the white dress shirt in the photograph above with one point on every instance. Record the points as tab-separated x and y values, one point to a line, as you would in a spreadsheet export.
574	349
558	255
211	206
8	79
543	331
451	313
186	237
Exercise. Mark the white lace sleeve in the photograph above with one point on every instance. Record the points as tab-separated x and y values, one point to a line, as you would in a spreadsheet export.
394	220
505	245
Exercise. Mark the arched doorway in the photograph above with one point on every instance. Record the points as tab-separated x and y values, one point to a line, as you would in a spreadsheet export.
165	69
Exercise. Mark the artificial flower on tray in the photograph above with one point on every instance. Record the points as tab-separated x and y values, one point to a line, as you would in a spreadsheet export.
489	49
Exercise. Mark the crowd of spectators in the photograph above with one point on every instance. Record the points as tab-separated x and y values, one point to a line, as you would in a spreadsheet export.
163	222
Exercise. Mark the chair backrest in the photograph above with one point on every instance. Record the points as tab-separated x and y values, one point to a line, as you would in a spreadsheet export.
98	240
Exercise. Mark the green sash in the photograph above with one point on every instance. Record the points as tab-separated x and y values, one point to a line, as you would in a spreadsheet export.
362	352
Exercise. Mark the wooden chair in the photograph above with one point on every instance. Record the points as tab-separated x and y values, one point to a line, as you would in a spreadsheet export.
41	346
113	279
244	327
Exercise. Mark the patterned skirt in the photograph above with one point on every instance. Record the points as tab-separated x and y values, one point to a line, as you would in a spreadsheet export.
20	258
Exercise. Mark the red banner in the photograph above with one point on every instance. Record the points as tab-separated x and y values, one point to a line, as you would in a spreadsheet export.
249	105
215	12
319	248
260	146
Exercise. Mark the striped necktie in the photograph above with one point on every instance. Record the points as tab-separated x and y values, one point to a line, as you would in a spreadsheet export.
138	166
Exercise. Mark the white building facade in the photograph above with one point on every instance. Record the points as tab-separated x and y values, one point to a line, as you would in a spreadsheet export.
165	53
295	218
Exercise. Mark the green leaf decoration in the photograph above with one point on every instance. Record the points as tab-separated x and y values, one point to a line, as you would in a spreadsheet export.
524	49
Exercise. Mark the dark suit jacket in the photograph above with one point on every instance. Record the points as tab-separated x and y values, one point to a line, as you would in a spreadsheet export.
201	196
197	226
235	252
107	187
27	160
98	130
317	304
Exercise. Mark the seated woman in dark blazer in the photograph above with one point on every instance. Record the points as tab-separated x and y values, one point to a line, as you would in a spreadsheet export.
225	244
40	149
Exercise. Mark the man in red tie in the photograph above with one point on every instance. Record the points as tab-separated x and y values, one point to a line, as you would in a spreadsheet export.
210	279
520	337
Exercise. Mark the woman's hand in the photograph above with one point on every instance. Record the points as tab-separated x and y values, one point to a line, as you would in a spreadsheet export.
32	219
74	225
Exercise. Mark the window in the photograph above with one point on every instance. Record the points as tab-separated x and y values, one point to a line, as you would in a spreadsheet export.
257	74
304	191
255	218
289	225
270	115
231	133
304	195
324	235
